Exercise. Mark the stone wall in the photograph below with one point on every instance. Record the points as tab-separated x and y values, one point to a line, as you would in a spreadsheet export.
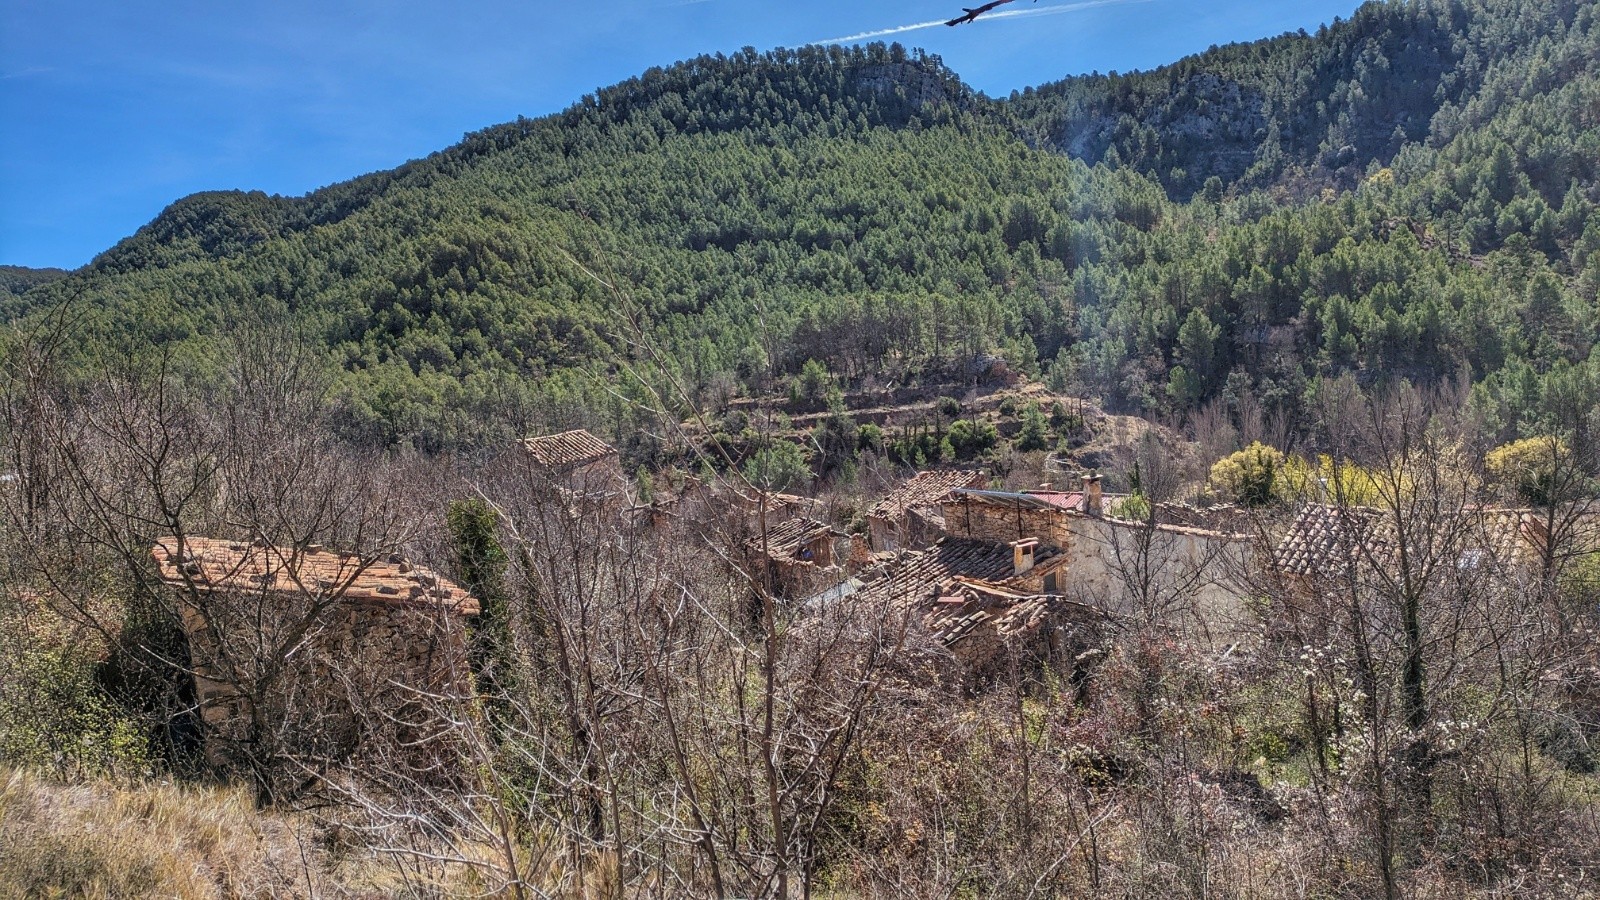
1111	561
1188	568
364	680
1003	521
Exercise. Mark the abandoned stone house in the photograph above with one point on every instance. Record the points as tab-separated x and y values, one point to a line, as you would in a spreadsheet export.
1035	574
1111	562
911	517
804	556
986	602
718	503
991	630
755	508
578	464
1330	545
320	653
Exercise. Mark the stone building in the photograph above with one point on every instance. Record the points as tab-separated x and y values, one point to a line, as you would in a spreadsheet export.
911	517
305	657
722	504
1110	562
992	605
805	556
579	463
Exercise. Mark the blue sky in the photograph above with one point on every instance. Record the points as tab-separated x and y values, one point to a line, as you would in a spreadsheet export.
111	110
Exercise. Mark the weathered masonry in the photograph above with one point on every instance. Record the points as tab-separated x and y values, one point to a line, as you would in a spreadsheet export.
577	464
911	517
1105	560
313	656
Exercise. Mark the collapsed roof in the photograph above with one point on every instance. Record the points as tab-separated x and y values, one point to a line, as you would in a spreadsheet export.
209	565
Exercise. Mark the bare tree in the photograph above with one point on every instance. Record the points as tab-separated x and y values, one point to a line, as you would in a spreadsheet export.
149	452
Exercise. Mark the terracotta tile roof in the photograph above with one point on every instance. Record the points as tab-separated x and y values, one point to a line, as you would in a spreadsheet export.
1062	499
567	450
1073	500
789	502
1224	518
924	489
965	595
750	501
915	576
963	607
213	564
1324	539
1508	534
788	537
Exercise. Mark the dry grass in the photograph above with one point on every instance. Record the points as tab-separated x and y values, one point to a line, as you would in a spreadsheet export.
104	839
98	839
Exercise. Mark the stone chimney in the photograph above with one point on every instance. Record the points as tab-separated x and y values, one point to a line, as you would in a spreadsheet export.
1091	494
1022	554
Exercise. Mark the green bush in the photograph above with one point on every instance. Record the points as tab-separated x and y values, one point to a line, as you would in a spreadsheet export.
54	716
870	438
1249	477
777	467
968	438
1035	433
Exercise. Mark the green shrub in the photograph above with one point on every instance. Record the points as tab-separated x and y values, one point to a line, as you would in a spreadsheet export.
1035	433
1249	477
777	467
968	438
53	715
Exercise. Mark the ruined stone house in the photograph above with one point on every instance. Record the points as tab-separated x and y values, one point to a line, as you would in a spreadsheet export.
803	555
723	504
987	604
1111	562
574	455
575	467
315	655
911	517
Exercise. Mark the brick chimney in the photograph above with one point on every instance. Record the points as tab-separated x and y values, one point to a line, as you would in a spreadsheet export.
1022	554
1091	494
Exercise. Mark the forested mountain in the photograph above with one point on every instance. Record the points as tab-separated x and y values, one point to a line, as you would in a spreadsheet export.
1316	110
18	280
1409	193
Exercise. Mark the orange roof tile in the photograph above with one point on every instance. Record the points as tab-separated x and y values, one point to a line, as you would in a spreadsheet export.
1324	540
925	489
915	576
963	606
788	537
567	450
213	564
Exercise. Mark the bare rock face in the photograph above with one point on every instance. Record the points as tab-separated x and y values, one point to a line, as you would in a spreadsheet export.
921	86
1211	125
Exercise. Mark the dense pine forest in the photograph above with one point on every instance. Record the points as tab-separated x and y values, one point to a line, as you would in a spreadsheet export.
796	474
1406	194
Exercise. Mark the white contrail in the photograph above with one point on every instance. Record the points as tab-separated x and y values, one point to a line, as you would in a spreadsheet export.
882	32
1002	14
